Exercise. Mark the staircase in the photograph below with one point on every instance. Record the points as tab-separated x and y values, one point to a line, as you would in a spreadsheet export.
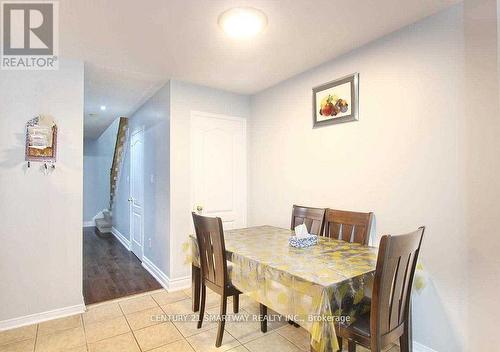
121	136
104	224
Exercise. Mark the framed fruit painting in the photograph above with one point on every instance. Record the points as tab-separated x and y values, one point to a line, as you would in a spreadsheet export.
336	101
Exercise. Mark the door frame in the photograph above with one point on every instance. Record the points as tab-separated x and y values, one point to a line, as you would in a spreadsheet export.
139	130
194	113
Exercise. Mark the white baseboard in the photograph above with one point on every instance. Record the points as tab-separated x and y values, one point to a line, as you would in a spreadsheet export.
119	236
168	284
418	347
40	317
155	271
89	223
178	284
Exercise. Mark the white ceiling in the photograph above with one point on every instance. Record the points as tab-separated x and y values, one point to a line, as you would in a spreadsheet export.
121	92
131	46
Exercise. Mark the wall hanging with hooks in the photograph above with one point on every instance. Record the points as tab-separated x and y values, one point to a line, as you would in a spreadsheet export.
41	141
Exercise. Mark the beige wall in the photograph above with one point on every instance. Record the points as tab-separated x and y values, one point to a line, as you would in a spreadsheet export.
482	170
41	215
402	160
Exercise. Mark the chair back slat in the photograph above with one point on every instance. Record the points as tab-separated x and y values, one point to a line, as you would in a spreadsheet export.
348	226
396	264
311	217
210	236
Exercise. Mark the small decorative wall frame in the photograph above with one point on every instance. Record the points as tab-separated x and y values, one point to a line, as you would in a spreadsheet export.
336	101
41	140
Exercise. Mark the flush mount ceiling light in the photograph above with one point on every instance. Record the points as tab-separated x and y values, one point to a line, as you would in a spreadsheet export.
242	22
103	107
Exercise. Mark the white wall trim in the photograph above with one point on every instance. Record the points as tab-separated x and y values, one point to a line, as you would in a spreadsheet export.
119	236
40	317
418	347
89	224
180	283
219	116
155	271
167	283
139	130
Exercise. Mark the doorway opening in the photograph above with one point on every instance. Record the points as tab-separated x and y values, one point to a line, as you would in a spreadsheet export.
112	197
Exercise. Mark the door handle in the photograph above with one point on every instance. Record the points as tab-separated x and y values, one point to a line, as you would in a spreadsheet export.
130	199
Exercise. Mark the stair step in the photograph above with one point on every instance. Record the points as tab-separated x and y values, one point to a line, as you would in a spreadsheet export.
104	229
107	216
103	222
103	225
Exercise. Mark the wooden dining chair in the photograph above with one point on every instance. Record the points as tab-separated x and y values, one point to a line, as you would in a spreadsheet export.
214	268
312	217
388	319
348	226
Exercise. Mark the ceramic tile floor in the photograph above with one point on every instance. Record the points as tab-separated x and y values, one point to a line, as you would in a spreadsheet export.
126	325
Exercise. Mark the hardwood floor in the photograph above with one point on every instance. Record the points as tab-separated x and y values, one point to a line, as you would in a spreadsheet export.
110	271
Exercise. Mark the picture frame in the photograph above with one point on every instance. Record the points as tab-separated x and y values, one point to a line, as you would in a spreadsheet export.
41	153
336	101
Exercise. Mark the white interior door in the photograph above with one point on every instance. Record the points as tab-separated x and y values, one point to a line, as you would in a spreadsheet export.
137	193
219	167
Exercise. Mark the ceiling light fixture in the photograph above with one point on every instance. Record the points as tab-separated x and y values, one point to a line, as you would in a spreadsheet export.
242	22
103	107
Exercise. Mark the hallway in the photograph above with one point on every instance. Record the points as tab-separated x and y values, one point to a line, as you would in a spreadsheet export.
110	271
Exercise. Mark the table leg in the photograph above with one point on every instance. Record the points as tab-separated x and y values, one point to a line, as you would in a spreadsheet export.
263	318
195	287
410	337
405	341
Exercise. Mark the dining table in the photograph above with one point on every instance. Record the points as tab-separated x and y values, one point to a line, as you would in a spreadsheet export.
317	287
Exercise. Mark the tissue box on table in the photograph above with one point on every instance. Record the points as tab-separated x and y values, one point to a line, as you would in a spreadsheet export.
302	238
